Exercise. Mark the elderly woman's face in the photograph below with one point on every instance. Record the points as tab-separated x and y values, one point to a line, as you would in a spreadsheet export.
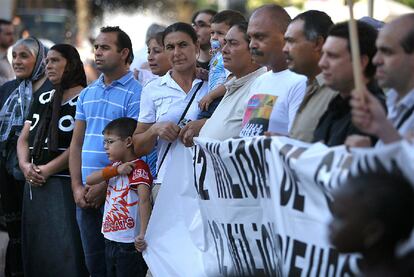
55	66
23	61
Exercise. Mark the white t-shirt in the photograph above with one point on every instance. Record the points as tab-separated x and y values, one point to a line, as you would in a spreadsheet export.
121	217
285	91
163	100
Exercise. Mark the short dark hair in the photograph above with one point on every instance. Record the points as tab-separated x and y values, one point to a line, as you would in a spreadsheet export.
242	27
206	11
367	36
123	41
4	22
123	127
181	27
407	42
387	197
228	17
315	24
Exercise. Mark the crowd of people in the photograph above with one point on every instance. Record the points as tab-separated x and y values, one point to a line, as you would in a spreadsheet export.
81	165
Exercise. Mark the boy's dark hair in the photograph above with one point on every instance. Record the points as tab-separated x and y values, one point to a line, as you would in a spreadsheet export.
206	11
242	27
315	24
389	198
181	27
123	127
228	17
367	36
123	41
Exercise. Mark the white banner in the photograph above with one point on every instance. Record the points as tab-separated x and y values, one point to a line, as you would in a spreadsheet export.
256	207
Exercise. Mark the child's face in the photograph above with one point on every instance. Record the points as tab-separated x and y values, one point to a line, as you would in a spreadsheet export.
346	230
218	32
116	147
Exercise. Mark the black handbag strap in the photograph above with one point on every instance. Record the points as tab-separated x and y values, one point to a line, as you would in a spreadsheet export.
181	118
404	118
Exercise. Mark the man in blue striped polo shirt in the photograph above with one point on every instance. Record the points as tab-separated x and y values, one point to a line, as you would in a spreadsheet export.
115	94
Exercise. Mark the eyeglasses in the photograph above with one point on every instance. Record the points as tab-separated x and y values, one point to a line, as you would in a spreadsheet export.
200	24
110	141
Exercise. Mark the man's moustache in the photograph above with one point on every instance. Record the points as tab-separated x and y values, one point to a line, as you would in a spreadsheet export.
256	52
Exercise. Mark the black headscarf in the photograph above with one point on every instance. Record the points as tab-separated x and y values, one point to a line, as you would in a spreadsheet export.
73	75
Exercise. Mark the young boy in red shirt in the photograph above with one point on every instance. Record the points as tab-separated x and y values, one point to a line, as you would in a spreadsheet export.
127	205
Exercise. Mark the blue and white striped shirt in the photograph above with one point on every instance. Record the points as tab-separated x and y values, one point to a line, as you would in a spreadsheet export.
98	105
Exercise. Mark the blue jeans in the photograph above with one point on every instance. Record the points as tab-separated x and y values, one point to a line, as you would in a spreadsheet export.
90	224
122	260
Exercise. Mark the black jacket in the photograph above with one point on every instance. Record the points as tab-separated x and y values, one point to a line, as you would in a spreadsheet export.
336	124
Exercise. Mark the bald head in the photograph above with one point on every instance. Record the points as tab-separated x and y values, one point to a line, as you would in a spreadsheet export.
405	26
395	55
274	13
267	26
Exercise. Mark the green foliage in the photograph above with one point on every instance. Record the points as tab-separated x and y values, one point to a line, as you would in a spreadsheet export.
407	2
206	4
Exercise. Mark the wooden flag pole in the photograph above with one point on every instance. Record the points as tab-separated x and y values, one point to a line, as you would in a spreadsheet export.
371	8
356	57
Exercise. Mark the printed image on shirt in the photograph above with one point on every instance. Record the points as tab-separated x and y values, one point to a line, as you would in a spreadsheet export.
257	114
118	217
121	208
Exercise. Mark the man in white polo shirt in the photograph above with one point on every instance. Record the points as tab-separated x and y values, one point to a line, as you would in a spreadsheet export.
277	94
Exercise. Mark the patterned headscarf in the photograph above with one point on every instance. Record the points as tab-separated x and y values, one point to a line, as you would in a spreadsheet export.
16	108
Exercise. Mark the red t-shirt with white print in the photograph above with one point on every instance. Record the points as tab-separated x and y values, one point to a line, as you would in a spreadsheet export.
121	217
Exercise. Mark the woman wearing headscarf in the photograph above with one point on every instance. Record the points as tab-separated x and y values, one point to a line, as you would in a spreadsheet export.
50	235
15	99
